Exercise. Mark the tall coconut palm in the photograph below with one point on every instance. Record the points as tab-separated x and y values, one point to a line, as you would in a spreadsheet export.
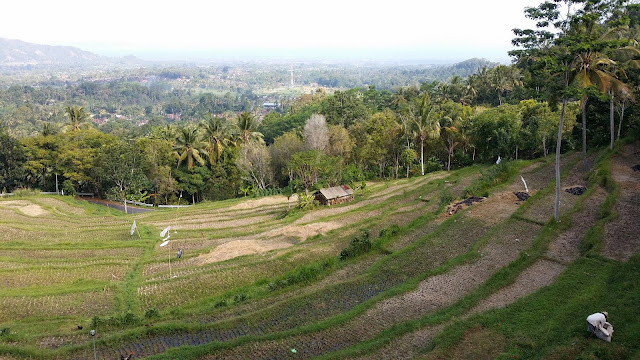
426	123
620	89
189	147
505	79
78	118
622	103
216	135
169	134
247	127
48	129
591	69
627	58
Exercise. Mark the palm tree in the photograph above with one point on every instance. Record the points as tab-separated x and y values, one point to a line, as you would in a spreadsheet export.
623	102
247	127
617	88
216	134
169	134
470	90
188	147
587	71
78	118
627	58
505	78
48	129
426	124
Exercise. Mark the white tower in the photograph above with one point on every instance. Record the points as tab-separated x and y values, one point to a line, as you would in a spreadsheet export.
291	75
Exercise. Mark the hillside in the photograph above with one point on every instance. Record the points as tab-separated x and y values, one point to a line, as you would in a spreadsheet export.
21	53
462	69
494	279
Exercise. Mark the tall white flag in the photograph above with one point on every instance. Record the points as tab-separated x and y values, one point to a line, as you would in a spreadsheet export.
525	184
133	227
165	231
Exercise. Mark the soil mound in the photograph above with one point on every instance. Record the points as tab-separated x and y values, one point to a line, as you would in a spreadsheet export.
455	207
578	190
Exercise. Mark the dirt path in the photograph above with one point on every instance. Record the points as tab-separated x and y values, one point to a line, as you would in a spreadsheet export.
564	249
536	276
622	235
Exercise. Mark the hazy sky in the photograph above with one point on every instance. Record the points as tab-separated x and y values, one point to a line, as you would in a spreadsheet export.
441	29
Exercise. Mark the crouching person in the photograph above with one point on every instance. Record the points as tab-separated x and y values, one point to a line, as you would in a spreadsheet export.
597	324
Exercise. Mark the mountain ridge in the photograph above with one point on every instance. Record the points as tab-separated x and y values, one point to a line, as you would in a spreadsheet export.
16	53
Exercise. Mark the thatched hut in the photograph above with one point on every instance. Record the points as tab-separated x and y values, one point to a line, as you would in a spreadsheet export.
334	195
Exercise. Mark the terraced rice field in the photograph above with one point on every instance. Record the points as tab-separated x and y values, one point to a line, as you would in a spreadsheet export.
255	284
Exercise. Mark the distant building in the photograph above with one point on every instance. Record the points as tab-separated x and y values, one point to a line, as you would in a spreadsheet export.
334	195
270	105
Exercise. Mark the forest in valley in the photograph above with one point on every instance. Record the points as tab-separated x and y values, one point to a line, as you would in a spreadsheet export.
191	134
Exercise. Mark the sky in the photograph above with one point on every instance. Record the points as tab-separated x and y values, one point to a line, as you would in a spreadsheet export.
191	29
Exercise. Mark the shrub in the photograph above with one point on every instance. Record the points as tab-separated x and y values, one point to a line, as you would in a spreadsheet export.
303	274
359	245
306	202
151	313
389	231
432	164
5	331
96	321
494	175
68	188
221	303
25	192
130	319
446	197
237	298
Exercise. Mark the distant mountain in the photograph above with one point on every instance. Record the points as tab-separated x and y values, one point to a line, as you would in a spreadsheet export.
18	53
462	69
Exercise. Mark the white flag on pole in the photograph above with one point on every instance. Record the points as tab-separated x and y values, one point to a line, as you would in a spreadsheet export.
133	227
498	161
525	184
165	231
164	243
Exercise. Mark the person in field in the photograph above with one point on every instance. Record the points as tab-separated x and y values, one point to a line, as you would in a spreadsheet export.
597	324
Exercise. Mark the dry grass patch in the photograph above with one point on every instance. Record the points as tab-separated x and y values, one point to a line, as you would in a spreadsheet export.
26	207
238	248
61	206
269	200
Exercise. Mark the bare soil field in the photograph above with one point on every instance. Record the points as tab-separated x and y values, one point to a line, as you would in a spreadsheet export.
622	236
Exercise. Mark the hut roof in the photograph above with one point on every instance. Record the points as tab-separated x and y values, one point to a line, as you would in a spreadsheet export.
336	192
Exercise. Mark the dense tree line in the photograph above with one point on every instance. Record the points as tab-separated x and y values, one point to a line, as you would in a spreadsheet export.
582	74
